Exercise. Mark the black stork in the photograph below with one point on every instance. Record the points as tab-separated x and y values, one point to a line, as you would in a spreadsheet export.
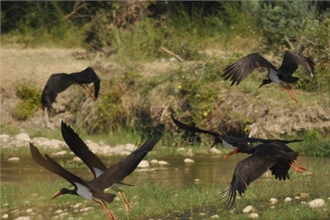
80	149
114	174
276	156
241	144
283	76
59	82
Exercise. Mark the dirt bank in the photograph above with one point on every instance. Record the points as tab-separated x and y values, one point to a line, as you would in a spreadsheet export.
271	110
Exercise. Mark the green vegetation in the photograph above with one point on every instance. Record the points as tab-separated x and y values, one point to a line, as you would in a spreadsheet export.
168	201
30	101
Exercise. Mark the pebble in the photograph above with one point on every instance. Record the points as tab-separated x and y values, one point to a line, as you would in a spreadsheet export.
60	153
143	164
316	203
162	163
76	206
215	216
13	159
86	209
254	215
23	218
181	149
59	211
247	209
5	216
130	147
273	200
287	199
214	151
188	160
29	210
154	161
76	160
22	137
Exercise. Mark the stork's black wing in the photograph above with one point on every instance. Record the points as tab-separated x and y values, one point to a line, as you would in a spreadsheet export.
51	165
244	66
246	172
87	76
117	172
192	128
80	149
56	84
290	63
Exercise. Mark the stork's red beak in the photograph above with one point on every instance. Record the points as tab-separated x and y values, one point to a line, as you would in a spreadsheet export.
231	153
57	195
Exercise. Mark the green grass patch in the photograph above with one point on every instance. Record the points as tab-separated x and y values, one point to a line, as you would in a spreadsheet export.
166	201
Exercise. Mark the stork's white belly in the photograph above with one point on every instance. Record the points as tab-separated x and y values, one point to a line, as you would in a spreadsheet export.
273	76
84	191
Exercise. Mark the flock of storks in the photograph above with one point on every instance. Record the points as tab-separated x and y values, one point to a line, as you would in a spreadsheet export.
274	155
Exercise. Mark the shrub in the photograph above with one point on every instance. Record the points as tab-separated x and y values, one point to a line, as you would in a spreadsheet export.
29	101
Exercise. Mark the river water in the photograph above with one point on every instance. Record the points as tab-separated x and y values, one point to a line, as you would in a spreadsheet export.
209	169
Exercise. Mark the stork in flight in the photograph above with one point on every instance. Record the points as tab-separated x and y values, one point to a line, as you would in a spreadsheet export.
237	71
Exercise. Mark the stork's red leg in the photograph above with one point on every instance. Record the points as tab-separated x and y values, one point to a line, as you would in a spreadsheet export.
289	90
125	201
299	166
295	168
106	209
89	91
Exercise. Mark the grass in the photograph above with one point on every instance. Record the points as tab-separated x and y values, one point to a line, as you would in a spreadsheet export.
152	199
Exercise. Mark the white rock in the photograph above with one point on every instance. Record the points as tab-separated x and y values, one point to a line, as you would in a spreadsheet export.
287	199
23	218
188	160
273	200
130	147
316	203
143	164
154	161
55	144
13	159
162	162
5	216
4	138
22	137
76	206
214	151
328	198
254	215
86	209
125	153
181	149
247	209
29	210
60	153
215	216
59	211
76	160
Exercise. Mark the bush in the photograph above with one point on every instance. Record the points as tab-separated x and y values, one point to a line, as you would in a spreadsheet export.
30	101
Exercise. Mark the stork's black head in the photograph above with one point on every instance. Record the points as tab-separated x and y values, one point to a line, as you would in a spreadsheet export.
65	191
265	81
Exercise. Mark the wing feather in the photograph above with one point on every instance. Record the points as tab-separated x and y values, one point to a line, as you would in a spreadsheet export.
51	165
117	172
237	71
81	150
246	171
290	63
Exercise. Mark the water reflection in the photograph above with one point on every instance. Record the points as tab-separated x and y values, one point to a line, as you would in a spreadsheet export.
209	169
